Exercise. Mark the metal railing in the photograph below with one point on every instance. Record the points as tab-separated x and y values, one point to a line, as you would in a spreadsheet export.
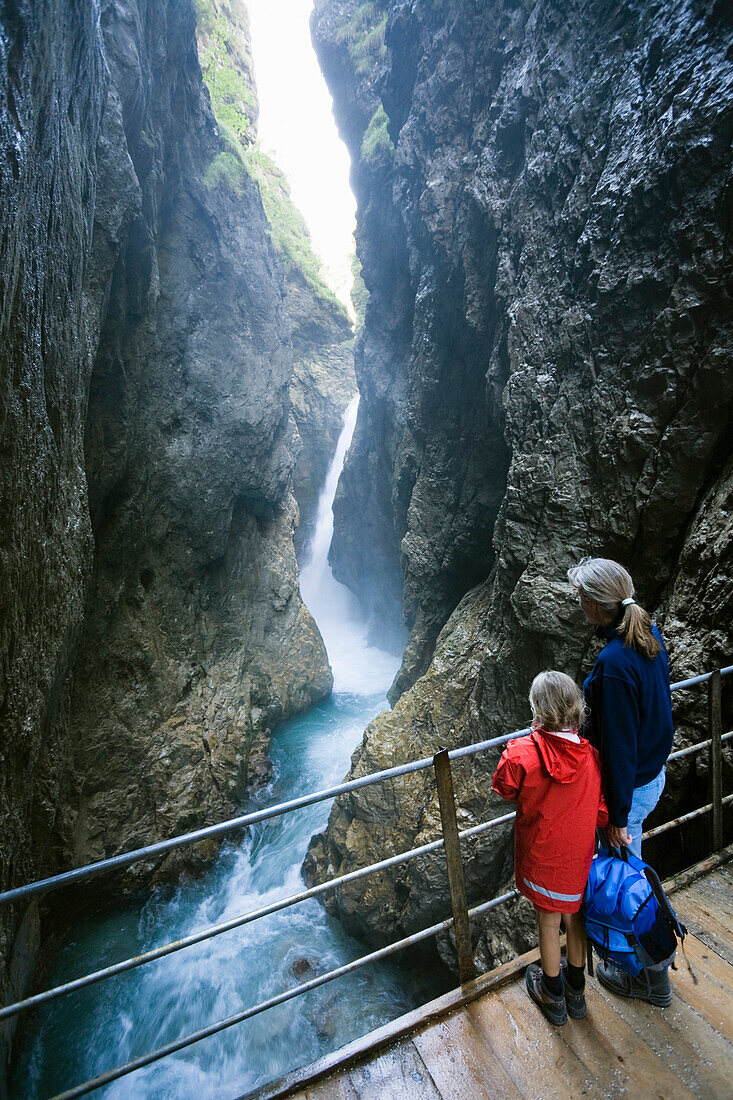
459	921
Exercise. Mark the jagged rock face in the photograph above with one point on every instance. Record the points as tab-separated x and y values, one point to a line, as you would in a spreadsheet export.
323	384
545	373
152	628
50	283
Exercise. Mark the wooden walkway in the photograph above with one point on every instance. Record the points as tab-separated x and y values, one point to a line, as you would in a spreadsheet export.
489	1042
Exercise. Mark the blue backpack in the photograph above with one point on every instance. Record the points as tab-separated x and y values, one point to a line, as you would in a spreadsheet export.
628	919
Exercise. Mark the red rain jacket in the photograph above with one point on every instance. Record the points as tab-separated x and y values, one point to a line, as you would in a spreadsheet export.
556	784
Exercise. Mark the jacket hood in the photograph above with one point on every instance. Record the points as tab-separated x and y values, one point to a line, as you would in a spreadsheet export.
562	759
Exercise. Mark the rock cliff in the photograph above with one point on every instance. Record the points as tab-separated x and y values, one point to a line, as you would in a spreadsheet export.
545	231
152	628
322	386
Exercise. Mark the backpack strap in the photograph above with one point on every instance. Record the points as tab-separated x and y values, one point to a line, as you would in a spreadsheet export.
653	879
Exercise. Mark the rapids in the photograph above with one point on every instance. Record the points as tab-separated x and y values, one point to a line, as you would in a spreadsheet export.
83	1034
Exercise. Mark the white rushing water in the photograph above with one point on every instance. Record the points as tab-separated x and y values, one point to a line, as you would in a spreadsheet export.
357	667
84	1034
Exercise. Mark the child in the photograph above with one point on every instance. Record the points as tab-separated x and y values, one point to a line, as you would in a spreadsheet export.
554	777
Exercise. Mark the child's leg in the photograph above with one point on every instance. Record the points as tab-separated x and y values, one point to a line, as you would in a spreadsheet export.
544	984
575	973
575	929
548	926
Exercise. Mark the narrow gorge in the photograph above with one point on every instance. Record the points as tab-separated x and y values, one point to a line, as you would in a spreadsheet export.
540	370
162	352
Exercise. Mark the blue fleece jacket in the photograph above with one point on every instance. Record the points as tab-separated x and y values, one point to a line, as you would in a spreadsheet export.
630	720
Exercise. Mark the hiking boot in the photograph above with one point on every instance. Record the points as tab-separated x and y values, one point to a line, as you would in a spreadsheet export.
553	1007
574	998
657	991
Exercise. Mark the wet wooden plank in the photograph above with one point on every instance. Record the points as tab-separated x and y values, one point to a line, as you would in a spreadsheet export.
705	913
712	997
701	927
715	890
398	1073
596	1046
333	1088
608	1028
535	1058
692	1049
461	1062
706	907
710	865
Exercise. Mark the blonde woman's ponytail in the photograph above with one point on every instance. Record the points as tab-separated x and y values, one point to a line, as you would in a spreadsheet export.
636	630
610	585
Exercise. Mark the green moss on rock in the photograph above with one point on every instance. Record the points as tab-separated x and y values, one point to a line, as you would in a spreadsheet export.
376	141
289	231
363	35
228	79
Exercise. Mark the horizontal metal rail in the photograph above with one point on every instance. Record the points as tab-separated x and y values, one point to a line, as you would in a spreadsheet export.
348	968
685	817
115	863
223	828
306	987
701	679
692	749
237	922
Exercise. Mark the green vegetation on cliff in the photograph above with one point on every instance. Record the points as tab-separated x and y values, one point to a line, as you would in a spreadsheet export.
226	65
363	35
289	231
376	140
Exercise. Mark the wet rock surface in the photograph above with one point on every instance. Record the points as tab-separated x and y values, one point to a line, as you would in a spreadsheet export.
322	386
152	629
545	373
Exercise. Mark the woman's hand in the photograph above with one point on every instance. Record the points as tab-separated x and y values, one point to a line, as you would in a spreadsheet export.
618	835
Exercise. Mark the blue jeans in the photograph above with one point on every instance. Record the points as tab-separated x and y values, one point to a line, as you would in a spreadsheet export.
643	802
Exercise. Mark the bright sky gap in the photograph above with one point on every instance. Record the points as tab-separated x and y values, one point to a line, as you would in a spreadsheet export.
297	128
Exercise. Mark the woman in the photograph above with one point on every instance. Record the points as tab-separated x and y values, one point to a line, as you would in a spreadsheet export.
630	722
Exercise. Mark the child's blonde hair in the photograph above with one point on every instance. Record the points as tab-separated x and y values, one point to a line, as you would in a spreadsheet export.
556	701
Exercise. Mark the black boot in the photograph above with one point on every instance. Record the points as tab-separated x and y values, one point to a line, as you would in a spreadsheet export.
553	1007
574	998
653	986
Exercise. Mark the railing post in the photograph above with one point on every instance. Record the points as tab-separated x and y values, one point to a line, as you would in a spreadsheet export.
461	926
715	726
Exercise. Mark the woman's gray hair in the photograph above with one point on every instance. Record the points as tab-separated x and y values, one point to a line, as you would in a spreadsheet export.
602	580
611	586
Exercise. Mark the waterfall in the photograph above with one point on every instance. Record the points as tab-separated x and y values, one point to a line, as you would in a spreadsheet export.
79	1036
358	668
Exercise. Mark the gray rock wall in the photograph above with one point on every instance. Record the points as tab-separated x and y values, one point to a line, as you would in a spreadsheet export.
323	384
152	629
51	281
545	369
